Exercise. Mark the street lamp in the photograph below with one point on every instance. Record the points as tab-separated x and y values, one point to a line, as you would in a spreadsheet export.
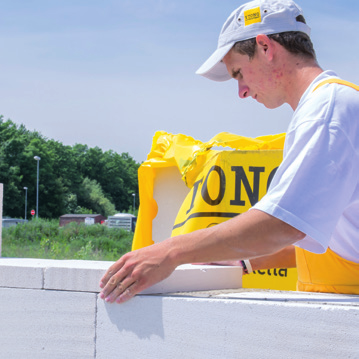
134	202
25	188
37	158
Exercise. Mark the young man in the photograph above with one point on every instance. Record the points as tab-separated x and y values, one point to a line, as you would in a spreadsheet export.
313	200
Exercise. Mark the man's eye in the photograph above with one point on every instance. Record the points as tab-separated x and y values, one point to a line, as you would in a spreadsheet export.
237	74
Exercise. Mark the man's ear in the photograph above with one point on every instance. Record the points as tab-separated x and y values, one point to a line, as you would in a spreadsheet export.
265	46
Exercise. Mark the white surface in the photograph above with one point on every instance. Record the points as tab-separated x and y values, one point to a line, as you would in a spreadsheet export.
85	276
189	327
43	323
188	278
51	274
169	193
22	276
46	324
123	215
295	297
320	158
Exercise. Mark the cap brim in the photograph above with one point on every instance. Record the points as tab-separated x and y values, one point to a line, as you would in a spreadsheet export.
214	69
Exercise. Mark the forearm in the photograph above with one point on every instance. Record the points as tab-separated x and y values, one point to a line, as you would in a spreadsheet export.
250	235
285	258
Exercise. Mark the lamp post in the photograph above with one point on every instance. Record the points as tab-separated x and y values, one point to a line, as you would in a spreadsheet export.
134	202
37	158
25	188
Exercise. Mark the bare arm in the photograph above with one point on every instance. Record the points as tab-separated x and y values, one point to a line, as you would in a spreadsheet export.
285	258
249	235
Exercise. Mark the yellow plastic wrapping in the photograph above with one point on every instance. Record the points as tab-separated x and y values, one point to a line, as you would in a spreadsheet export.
223	183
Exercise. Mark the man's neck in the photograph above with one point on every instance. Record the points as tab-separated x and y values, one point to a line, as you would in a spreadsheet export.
301	74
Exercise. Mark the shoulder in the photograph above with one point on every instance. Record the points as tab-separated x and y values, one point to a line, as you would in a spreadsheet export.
327	101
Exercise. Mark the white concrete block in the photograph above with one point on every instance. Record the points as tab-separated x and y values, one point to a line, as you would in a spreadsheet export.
188	327
46	324
21	273
189	278
76	275
294	297
39	323
84	276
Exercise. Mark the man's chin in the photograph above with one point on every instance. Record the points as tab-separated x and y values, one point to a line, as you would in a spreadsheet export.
272	106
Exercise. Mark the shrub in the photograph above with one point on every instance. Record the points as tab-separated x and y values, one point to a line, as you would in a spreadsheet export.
45	239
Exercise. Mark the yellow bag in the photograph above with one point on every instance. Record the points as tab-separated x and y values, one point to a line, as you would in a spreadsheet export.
223	183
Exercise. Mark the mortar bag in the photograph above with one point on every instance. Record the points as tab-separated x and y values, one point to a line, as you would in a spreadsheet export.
225	177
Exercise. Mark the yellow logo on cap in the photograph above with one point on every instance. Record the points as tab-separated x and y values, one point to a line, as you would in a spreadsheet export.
252	16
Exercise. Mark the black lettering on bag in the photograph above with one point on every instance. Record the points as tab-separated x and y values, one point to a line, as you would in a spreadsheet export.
221	190
206	215
240	178
195	189
283	272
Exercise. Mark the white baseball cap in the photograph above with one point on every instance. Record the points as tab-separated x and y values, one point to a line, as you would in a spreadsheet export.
249	20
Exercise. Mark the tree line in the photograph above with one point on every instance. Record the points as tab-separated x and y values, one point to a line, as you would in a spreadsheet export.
72	179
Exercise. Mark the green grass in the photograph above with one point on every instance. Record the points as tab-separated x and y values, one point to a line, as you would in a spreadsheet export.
45	239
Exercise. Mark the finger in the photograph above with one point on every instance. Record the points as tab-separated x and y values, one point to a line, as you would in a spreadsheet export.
129	293
110	272
119	289
106	277
114	292
112	283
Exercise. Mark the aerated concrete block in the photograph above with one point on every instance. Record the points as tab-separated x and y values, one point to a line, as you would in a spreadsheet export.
84	276
75	275
269	327
21	273
38	324
188	278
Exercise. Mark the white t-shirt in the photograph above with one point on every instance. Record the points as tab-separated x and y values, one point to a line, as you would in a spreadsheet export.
316	187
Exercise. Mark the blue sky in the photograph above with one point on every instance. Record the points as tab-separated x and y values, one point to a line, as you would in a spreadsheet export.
111	73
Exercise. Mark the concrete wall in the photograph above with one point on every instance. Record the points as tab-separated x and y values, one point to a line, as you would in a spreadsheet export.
50	309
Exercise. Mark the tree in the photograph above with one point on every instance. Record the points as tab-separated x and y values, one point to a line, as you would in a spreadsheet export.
92	196
71	179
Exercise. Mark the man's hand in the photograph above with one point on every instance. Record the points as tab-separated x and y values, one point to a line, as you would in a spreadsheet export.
136	271
250	235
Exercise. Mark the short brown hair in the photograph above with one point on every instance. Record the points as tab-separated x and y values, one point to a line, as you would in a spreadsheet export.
295	42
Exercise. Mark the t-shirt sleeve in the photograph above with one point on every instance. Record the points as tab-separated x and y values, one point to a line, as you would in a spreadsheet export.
314	183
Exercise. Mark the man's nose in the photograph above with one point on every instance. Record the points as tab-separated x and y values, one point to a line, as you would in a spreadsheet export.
243	90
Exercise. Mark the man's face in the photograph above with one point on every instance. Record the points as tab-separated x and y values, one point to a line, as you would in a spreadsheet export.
257	78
